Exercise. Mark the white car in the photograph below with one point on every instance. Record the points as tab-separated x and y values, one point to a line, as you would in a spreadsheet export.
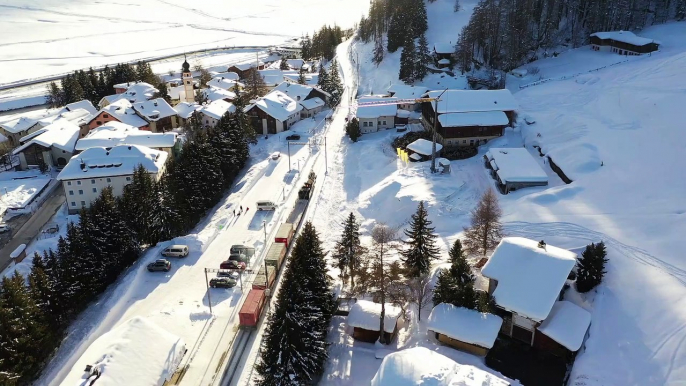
4	228
276	155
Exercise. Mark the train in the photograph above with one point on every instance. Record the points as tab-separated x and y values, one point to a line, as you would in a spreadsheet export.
253	306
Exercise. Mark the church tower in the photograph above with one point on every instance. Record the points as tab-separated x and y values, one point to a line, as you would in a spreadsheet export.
187	78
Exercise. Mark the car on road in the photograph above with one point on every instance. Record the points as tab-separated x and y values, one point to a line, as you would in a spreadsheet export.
275	155
293	137
239	257
175	251
266	205
231	264
159	265
230	274
244	249
4	228
222	282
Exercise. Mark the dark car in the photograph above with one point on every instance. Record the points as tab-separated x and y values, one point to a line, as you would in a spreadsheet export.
222	282
159	265
239	257
293	137
231	264
229	274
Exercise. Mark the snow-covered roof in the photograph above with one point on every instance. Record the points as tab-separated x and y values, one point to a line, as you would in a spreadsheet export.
154	109
218	108
567	324
444	61
295	63
295	90
18	125
529	278
123	111
420	366
61	134
245	66
415	156
224	83
138	352
185	109
516	165
464	101
520	71
423	147
403	91
624	37
120	160
116	133
376	111
477	118
84	104
177	93
313	103
366	315
278	105
214	94
226	75
403	113
78	116
275	76
466	325
136	92
444	48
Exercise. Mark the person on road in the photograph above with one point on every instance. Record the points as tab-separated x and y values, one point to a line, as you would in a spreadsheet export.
247	209
234	213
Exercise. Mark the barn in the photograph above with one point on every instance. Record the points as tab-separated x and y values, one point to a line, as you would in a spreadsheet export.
464	329
364	318
514	168
623	43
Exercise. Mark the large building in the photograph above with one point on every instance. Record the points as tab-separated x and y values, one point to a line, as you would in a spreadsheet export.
622	42
469	117
274	113
53	145
117	133
88	173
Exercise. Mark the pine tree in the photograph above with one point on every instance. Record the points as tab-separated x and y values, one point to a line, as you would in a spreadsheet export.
456	285
205	77
333	85
352	128
144	74
485	231
283	65
397	31
349	250
378	50
240	120
301	76
323	76
163	92
43	288
422	58
591	267
55	98
457	7
137	205
421	244
254	84
408	61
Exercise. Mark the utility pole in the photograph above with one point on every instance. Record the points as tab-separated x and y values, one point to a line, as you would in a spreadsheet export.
266	270
289	156
326	162
207	283
433	142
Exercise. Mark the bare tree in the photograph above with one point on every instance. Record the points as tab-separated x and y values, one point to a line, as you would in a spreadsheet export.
486	230
420	292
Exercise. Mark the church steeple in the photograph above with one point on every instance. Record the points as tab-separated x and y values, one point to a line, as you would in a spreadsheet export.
187	78
185	67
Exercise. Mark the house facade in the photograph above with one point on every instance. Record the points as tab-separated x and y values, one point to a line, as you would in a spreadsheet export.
161	117
622	43
88	173
274	113
374	117
213	112
120	111
54	146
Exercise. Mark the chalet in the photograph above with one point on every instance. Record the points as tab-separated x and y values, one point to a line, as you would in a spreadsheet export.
136	92
54	145
225	75
243	68
422	366
464	329
274	113
373	118
443	51
469	117
364	318
312	99
84	105
623	43
213	112
527	278
273	77
20	130
225	84
157	112
120	111
215	94
88	173
514	168
184	111
311	79
402	91
116	133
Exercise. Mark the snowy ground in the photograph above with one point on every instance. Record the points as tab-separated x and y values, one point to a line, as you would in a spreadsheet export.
50	37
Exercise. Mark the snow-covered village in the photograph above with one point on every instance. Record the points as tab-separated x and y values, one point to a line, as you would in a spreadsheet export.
342	193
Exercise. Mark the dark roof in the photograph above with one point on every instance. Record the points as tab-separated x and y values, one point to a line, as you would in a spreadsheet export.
185	67
480	264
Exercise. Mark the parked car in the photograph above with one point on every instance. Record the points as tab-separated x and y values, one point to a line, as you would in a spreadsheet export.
230	274
4	228
244	249
276	155
239	257
222	282
266	205
159	265
231	264
293	137
175	251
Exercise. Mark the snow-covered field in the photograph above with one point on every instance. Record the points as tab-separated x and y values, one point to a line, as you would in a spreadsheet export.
50	37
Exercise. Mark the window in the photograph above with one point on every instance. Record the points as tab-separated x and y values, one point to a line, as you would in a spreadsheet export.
128	178
78	182
464	141
92	182
471	141
95	190
105	116
109	179
68	183
98	123
71	192
384	123
188	82
83	203
73	203
80	191
522	334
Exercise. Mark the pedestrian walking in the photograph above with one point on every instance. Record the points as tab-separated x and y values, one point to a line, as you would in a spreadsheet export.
241	208
234	213
247	209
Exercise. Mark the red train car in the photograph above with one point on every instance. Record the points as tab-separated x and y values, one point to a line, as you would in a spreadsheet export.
251	310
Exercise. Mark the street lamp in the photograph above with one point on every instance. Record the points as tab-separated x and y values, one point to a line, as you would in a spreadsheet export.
433	142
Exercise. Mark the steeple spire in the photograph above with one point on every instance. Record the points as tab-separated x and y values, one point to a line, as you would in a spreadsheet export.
185	67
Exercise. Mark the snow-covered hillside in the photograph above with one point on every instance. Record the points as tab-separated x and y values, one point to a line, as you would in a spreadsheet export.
47	37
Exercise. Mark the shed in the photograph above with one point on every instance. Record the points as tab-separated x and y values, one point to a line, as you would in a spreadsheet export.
423	147
18	254
515	168
364	318
464	329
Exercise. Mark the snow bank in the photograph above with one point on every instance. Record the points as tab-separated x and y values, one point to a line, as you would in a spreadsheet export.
466	325
529	278
366	315
138	352
567	325
516	165
421	366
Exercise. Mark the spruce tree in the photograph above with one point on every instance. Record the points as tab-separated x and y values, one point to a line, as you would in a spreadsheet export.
352	128
378	50
43	288
301	76
240	119
323	76
334	86
408	61
55	98
349	250
456	285
283	65
485	230
421	246
254	84
591	267
422	58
